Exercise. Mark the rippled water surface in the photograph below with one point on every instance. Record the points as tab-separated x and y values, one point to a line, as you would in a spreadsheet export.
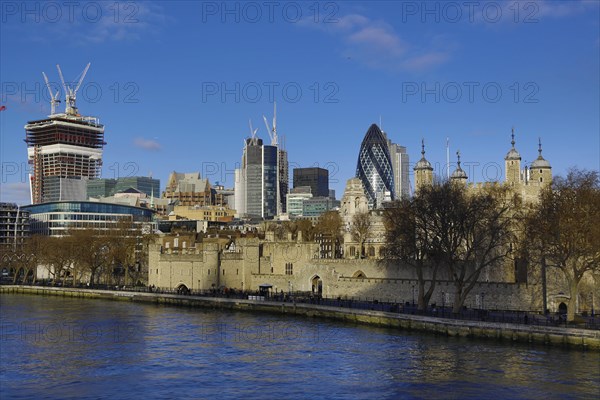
53	347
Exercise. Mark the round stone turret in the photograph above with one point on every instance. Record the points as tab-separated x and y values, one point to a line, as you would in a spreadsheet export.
540	170
512	163
459	175
423	170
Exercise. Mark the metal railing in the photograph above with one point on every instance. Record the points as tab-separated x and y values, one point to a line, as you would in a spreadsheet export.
433	310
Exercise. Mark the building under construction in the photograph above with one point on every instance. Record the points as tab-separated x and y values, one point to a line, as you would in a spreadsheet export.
64	150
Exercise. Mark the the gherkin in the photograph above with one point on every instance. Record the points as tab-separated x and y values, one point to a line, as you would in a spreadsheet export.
374	167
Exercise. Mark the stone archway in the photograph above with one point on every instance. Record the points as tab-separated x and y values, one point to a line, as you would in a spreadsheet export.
359	275
316	285
183	290
562	309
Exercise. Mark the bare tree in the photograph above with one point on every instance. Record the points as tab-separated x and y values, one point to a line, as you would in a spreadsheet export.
360	229
306	227
92	252
445	228
58	255
290	227
564	228
139	274
330	223
122	243
475	234
30	252
409	240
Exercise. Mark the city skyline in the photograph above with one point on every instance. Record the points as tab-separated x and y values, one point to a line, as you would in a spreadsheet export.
190	115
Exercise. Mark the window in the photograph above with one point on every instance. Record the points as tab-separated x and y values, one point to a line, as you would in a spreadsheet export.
289	269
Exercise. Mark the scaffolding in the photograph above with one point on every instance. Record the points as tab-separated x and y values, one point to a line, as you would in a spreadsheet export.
36	178
63	150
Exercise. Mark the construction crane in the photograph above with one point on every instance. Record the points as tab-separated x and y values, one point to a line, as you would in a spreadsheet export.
53	98
272	131
252	131
70	93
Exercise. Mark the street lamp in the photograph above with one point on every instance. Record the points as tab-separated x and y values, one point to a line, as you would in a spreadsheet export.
413	291
482	304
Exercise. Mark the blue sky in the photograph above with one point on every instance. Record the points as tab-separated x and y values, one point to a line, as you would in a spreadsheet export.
176	82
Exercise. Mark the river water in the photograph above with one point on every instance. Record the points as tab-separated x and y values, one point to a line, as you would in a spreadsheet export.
64	348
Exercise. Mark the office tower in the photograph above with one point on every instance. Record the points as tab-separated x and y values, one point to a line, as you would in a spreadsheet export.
283	171
261	182
257	184
316	178
374	167
400	166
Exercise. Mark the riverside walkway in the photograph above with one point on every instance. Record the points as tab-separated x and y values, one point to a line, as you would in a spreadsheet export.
489	324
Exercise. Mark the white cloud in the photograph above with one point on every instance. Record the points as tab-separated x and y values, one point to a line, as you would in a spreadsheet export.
379	38
376	44
426	60
559	9
147	144
104	22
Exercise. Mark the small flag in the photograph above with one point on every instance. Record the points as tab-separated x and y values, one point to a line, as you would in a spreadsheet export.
2	108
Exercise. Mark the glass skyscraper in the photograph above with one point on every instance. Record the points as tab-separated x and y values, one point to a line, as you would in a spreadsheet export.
257	181
374	167
316	178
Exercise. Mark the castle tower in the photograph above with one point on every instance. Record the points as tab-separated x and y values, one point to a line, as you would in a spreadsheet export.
459	175
540	170
512	164
423	170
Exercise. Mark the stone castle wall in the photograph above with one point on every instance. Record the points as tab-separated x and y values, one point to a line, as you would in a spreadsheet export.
291	266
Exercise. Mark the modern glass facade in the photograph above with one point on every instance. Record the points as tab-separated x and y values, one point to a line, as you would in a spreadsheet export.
316	178
258	181
109	187
101	187
271	181
283	179
254	179
318	205
400	166
374	167
295	202
56	218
